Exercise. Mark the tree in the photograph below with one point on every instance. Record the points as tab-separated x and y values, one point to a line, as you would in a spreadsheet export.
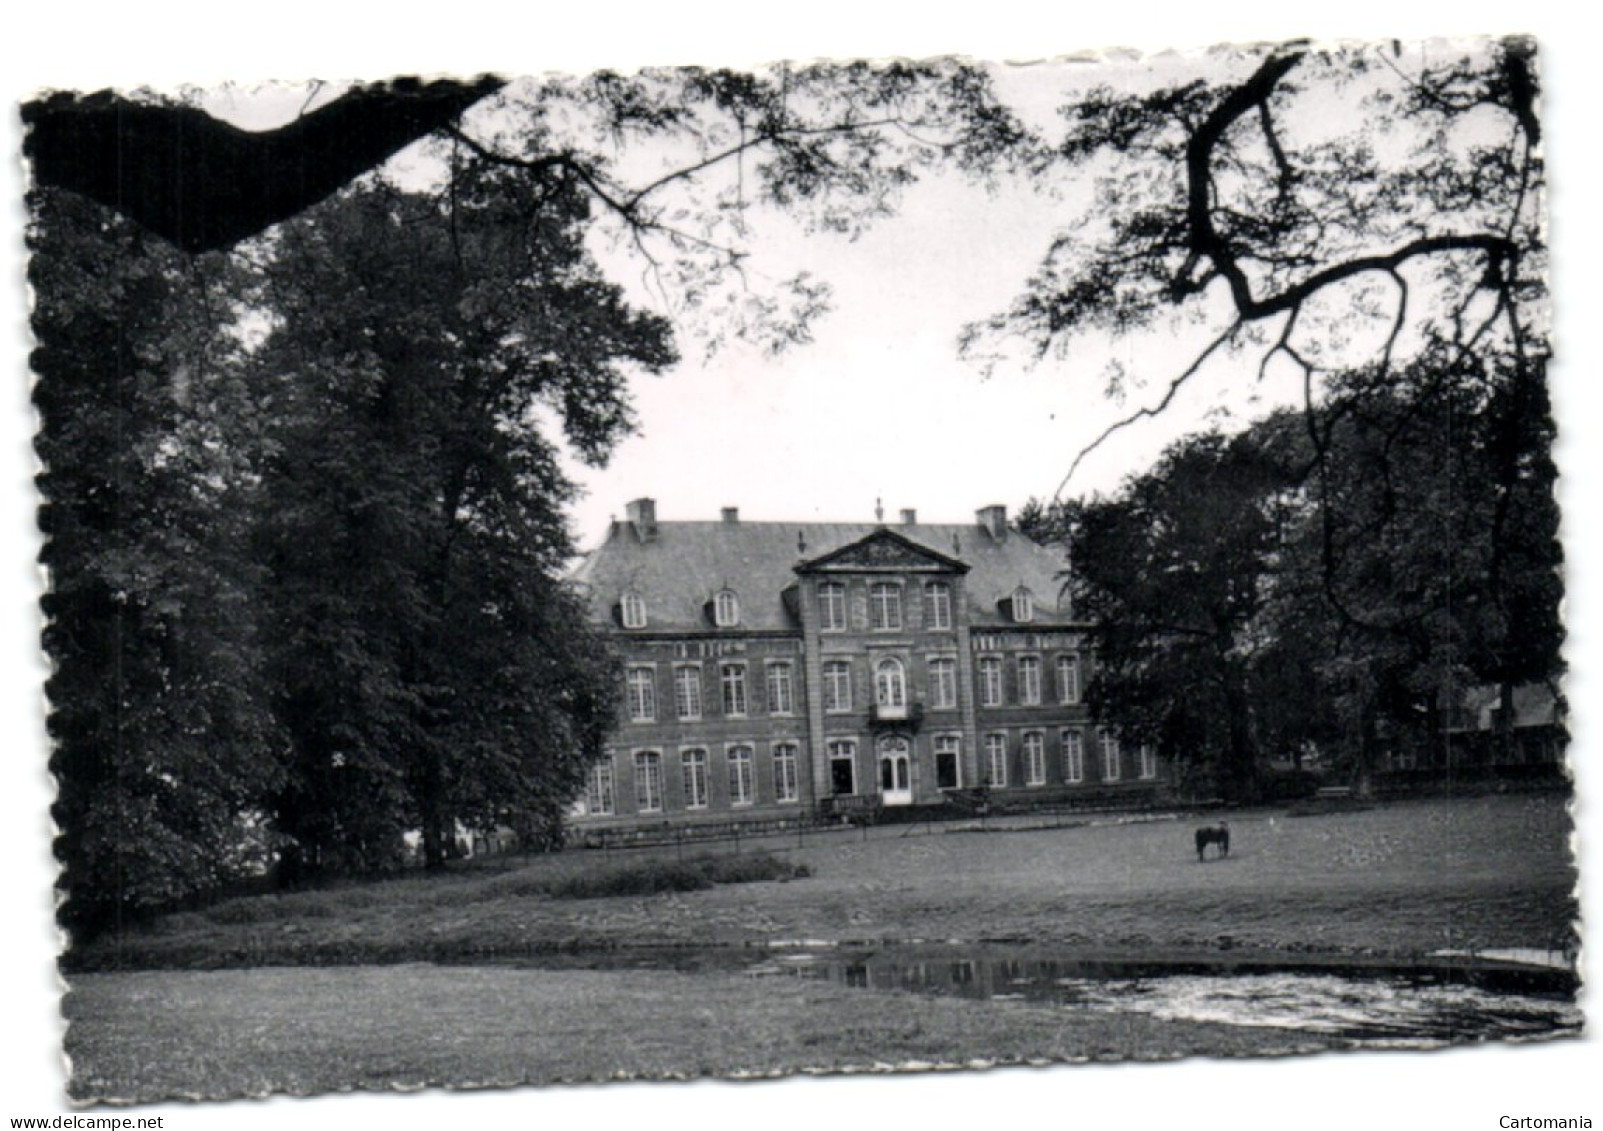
1175	575
163	747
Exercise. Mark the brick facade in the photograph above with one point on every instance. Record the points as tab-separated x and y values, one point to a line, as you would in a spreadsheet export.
773	670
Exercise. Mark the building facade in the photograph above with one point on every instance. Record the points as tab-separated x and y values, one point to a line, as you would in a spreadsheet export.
789	669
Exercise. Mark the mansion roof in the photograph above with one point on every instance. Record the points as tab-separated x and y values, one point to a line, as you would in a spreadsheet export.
678	567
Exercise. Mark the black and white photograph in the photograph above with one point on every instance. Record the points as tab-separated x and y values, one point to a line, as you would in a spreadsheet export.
839	578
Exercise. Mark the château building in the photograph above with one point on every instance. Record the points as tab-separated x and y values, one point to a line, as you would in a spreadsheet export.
781	669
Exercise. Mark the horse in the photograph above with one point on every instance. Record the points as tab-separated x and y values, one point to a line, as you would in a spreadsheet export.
1213	834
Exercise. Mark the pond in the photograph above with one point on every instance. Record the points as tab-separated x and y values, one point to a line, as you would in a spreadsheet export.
1359	1001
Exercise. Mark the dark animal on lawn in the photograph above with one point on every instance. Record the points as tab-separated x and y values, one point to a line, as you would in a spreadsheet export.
1213	834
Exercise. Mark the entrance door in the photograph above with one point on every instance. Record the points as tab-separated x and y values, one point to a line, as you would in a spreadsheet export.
896	770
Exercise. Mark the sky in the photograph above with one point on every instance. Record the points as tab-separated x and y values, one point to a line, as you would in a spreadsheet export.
969	444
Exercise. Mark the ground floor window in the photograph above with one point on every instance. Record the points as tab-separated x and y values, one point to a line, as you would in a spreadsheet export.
598	794
1149	763
742	776
787	785
694	763
1110	755
1073	757
1034	759
948	747
648	781
996	759
843	767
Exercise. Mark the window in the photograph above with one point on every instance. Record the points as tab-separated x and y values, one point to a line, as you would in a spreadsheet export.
1068	679
1149	762
742	776
648	782
838	685
1030	680
598	791
1023	605
694	763
1073	757
634	611
832	607
996	759
990	681
890	687
787	783
687	691
732	678
1110	755
780	699
726	609
943	682
1034	759
843	767
937	605
885	605
947	761
642	695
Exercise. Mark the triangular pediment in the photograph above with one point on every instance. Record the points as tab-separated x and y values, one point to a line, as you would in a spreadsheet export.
883	551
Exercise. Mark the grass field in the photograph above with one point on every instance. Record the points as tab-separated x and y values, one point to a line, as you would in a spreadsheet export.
1406	879
1401	879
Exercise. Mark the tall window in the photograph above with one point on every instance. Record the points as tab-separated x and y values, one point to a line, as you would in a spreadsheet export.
1149	762
1073	757
787	782
943	682
780	699
687	691
838	685
732	678
634	611
598	792
990	681
1023	605
1030	680
890	686
1110	755
885	605
694	764
947	761
648	781
832	606
742	776
726	609
642	695
1068	678
1034	759
996	759
843	767
937	605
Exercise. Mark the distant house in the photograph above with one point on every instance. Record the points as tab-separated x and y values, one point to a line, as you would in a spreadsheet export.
1536	734
781	669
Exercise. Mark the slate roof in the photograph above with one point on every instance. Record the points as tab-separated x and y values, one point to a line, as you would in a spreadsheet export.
678	571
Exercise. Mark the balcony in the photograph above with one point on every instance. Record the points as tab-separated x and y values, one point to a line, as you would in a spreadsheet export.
904	716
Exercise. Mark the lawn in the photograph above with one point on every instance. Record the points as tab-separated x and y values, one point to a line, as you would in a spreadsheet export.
1400	879
232	1033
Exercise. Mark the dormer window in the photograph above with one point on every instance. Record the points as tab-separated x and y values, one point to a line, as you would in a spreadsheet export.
726	609
634	610
1023	606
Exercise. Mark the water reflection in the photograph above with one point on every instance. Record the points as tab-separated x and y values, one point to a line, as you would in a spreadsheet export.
1369	1004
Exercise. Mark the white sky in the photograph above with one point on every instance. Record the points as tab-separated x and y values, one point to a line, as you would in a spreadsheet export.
973	444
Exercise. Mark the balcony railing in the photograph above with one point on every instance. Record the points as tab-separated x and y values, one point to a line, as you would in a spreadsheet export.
905	715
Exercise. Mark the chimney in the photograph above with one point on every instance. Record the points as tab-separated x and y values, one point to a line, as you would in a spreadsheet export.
909	516
731	514
993	519
642	514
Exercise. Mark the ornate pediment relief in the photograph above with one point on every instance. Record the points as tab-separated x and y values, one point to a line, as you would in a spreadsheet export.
883	551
